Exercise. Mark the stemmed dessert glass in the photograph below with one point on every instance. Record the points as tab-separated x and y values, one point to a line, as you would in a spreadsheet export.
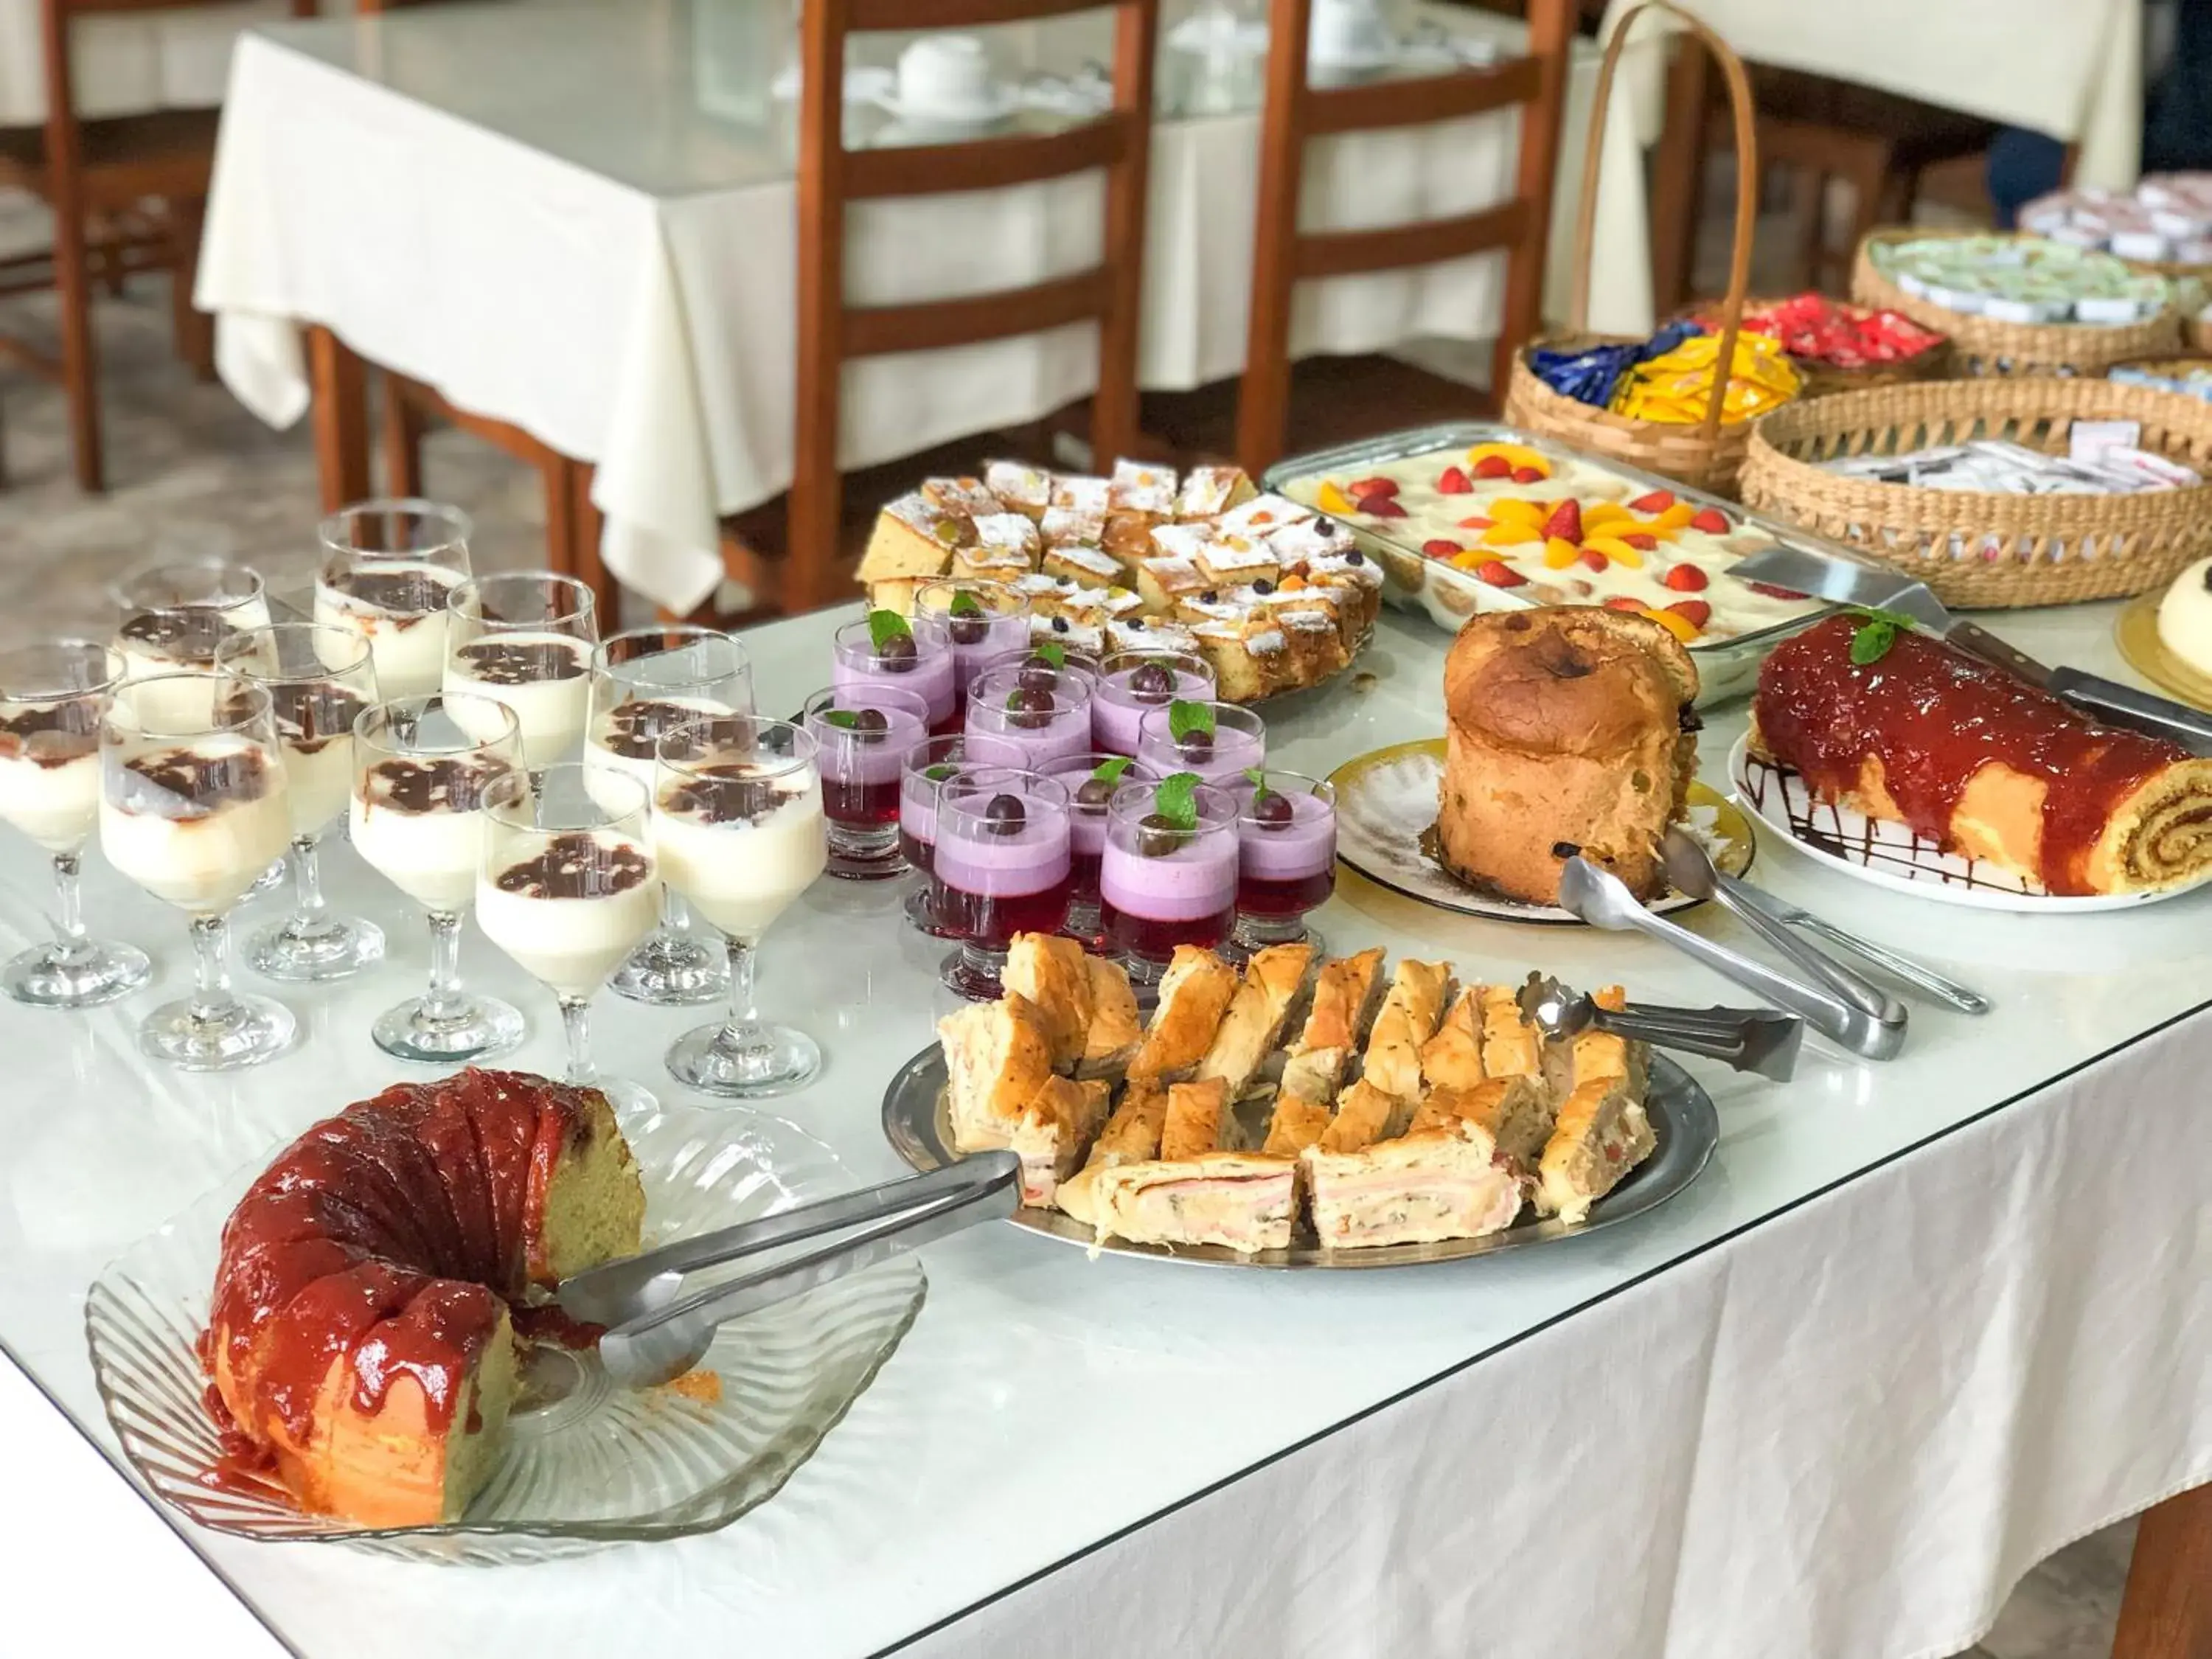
1220	741
389	568
1091	779
318	681
862	735
192	808
739	821
1286	858
646	681
1169	876
524	638
53	698
976	620
568	887
926	770
1029	716
421	773
1004	855
885	646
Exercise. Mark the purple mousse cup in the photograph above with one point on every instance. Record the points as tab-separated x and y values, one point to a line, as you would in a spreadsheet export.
993	620
1116	707
1286	865
1161	887
1086	821
1238	743
927	768
861	766
1003	729
928	673
1002	858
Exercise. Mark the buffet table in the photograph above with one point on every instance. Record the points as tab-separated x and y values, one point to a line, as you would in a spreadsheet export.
578	218
1920	1323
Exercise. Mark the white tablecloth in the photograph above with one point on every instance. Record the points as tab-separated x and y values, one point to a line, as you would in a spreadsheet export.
1918	1325
127	62
527	208
2070	67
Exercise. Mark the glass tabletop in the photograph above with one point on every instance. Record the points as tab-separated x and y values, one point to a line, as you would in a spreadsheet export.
679	96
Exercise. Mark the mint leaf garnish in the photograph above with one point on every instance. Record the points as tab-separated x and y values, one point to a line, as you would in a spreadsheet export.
847	718
1258	780
963	604
1176	800
1053	656
1110	771
1876	632
884	626
942	770
1185	718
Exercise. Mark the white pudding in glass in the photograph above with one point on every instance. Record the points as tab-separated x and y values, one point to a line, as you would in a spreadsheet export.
50	772
170	641
740	846
399	608
626	738
420	822
571	911
196	823
314	741
543	678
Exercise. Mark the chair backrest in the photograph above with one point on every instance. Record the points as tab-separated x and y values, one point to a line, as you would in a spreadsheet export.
1284	255
832	332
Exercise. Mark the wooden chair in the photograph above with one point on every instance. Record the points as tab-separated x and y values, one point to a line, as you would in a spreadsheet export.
1284	255
98	177
808	572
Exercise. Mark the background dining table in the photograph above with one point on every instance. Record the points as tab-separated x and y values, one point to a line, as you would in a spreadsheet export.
1919	1324
578	217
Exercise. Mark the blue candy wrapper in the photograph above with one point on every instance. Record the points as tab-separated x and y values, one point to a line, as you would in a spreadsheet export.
1589	376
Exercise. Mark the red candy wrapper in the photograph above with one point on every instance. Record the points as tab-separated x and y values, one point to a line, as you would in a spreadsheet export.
1818	329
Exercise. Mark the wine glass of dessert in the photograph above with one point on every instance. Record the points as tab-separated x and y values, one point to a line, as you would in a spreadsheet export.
53	697
421	776
1003	858
318	679
1285	858
389	568
524	638
738	818
568	887
1132	684
1169	876
1092	779
1029	716
925	774
862	736
1220	741
645	682
193	808
883	647
173	614
976	620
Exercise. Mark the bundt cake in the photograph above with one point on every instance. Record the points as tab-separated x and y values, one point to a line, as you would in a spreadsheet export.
359	1336
1567	729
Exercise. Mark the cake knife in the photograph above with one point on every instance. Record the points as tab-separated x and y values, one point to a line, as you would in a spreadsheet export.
1846	581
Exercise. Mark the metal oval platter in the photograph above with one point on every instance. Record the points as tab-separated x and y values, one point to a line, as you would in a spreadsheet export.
917	1124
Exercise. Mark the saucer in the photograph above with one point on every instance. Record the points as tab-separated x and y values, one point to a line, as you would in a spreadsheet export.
1003	102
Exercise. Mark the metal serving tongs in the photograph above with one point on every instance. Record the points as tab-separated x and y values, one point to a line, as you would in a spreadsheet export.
655	1334
1867	1022
1749	1039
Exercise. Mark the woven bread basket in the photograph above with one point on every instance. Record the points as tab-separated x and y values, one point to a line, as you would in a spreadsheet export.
1975	550
1708	453
1991	348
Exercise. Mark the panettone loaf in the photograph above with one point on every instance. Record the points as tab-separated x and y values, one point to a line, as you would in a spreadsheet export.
1568	728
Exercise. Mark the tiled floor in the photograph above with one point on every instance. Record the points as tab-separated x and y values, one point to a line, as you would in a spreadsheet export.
189	469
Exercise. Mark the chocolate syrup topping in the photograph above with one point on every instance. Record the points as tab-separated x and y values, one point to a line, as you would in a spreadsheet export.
185	634
401	785
52	736
729	793
634	730
184	784
408	596
578	867
309	717
505	662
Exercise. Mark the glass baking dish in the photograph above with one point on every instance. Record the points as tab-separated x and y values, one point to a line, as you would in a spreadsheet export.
1413	581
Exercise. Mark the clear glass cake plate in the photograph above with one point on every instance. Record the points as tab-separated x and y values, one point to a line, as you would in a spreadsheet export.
586	1463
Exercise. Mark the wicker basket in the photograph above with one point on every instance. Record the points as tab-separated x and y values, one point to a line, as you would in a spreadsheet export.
1938	362
1981	550
1985	347
1710	453
2196	333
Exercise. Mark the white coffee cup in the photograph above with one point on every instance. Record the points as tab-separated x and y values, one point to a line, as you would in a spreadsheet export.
946	76
1343	30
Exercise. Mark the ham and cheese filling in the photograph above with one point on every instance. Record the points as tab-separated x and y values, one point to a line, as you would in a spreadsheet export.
1240	1212
1412	1205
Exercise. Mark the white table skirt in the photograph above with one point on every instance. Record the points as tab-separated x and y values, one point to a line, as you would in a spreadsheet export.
646	327
2070	67
1903	1338
127	63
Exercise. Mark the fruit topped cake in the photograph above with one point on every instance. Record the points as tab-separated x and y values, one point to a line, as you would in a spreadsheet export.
1275	595
1522	526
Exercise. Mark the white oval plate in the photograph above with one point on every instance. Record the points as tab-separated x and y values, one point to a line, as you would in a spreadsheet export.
1889	855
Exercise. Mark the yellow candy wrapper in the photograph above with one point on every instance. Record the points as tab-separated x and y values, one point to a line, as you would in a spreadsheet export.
1675	387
